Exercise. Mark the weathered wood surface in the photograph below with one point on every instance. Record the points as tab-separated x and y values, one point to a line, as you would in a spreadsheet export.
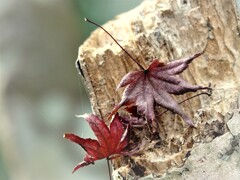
169	30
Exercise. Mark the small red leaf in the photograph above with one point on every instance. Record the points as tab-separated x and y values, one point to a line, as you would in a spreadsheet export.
111	141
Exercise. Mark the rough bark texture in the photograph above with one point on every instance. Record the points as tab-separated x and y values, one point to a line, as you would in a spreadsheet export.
169	30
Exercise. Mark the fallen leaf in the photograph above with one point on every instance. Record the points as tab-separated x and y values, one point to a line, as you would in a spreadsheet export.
145	88
111	141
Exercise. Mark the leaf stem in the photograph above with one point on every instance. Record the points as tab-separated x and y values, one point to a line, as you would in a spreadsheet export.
115	42
109	169
202	93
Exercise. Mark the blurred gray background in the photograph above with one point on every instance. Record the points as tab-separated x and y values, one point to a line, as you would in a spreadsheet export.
40	89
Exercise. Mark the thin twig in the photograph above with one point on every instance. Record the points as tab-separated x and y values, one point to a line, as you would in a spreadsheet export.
109	169
115	42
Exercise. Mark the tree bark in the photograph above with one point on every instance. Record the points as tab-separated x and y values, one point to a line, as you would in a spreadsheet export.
169	30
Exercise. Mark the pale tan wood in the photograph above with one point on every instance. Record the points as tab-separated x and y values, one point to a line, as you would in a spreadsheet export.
168	30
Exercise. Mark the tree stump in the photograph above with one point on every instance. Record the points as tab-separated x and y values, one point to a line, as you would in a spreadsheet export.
169	30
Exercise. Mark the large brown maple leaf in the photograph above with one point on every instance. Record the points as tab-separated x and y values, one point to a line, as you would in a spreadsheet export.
145	88
111	141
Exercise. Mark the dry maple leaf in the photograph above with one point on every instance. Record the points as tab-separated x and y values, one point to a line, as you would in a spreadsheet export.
145	88
111	141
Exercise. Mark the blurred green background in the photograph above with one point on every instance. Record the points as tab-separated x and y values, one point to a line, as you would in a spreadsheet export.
40	89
